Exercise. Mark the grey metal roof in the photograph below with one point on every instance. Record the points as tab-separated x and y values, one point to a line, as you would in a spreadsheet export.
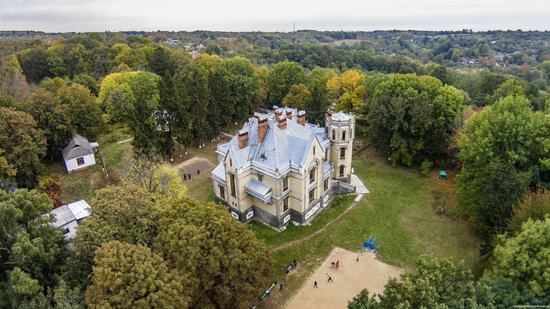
280	147
258	189
78	147
341	116
62	215
219	173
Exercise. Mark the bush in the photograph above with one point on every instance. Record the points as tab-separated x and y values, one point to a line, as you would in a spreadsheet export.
426	166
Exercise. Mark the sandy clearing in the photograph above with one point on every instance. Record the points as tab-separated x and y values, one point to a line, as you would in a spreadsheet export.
193	165
349	279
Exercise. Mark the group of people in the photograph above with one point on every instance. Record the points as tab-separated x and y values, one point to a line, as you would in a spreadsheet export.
335	264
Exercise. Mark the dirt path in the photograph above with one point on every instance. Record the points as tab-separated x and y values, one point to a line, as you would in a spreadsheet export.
349	279
321	230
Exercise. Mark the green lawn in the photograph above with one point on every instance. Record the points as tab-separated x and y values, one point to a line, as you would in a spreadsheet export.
399	211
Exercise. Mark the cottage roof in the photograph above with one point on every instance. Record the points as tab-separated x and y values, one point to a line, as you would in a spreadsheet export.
78	147
71	212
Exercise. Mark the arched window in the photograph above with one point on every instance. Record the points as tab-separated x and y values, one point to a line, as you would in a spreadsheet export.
333	134
343	135
342	171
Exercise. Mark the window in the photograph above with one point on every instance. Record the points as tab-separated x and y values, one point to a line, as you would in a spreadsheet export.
312	175
342	168
285	204
350	132
343	153
311	195
333	134
232	179
222	192
260	177
80	161
325	185
313	150
285	183
326	154
343	135
66	231
230	162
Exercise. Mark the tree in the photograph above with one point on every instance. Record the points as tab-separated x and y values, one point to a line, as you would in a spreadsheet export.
31	250
348	90
533	205
229	264
7	170
12	79
24	145
131	276
297	97
503	150
126	214
413	117
523	259
515	87
83	112
437	283
88	82
281	78
319	103
149	173
34	63
52	118
139	92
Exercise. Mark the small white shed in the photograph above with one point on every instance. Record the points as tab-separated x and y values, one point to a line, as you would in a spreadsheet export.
79	153
68	217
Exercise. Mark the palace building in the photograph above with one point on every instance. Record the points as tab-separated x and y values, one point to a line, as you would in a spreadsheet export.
280	168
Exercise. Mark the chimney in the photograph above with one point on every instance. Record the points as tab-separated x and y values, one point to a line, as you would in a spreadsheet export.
289	114
262	127
243	138
281	122
302	118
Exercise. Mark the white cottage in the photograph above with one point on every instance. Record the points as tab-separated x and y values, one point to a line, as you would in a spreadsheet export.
68	217
79	153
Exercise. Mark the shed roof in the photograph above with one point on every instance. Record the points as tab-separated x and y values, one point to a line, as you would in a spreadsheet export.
78	147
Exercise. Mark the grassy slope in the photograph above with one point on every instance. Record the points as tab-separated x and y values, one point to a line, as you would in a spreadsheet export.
398	211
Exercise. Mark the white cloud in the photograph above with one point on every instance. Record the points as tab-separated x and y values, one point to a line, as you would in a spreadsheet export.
273	15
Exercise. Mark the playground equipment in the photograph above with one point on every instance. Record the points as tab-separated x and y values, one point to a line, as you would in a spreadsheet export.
268	291
370	244
442	174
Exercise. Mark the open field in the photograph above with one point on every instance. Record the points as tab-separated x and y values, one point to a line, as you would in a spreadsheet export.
400	211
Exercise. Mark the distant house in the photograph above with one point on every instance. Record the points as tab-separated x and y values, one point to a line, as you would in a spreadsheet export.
79	153
68	217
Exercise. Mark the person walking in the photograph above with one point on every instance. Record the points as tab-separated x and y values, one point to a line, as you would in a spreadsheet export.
281	287
329	278
315	284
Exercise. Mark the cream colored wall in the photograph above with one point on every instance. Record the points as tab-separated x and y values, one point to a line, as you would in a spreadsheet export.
338	143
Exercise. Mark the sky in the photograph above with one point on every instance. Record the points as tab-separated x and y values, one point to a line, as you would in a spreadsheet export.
272	15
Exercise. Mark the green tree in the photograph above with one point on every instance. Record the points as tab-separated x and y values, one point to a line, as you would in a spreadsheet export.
230	265
503	150
140	98
52	118
88	82
298	96
523	259
319	103
83	111
24	145
533	205
131	276
414	117
34	63
281	78
125	214
437	283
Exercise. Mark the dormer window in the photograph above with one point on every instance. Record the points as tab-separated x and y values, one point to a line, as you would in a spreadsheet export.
313	150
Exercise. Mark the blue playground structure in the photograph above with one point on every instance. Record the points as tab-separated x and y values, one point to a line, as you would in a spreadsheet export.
370	244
